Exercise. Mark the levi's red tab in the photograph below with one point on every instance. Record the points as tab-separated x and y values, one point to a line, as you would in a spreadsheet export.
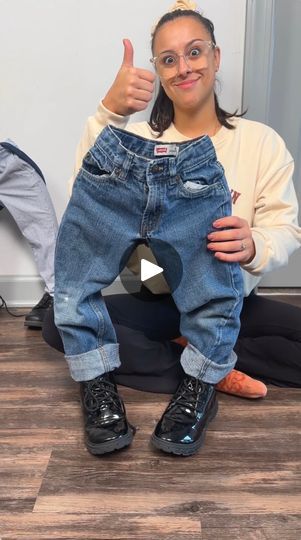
166	150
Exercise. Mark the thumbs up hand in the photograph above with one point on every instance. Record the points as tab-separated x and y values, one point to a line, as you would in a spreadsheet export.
133	87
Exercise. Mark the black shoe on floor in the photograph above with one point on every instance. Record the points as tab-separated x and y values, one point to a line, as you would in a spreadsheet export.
106	425
181	429
36	316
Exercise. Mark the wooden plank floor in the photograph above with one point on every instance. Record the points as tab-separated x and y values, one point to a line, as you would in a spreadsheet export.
243	485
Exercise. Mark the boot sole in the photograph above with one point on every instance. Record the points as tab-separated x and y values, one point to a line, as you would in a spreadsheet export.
180	449
111	446
33	324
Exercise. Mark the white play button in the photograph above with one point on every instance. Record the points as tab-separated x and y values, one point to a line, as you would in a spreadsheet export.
148	270
140	274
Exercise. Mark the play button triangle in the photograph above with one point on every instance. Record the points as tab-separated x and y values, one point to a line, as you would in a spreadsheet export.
148	269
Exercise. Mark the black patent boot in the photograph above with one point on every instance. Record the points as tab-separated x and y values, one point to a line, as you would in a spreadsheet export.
35	318
181	429
106	425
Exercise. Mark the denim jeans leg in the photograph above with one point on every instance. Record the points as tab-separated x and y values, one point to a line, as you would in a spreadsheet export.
210	294
92	240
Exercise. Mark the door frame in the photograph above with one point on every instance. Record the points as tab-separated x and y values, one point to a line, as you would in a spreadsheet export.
257	75
258	58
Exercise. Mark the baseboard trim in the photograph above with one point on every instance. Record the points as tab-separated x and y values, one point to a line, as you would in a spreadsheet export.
21	291
279	291
26	291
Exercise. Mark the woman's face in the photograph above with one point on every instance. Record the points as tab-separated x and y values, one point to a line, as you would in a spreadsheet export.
189	82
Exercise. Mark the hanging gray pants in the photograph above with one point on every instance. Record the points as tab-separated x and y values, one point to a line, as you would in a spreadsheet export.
24	194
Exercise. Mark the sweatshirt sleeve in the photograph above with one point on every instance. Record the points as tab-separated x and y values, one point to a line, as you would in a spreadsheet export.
94	126
275	228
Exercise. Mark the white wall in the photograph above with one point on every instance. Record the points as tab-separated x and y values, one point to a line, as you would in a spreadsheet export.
57	59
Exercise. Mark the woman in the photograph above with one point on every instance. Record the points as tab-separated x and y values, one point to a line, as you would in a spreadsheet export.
260	235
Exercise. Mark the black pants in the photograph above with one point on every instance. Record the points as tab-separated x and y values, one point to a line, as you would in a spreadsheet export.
268	347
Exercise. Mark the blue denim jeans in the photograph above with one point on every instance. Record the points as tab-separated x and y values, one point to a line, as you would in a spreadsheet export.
131	189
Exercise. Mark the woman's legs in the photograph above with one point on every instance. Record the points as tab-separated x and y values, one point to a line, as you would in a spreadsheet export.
269	344
50	332
268	347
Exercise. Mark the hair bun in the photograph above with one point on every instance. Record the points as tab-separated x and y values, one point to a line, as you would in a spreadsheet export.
184	4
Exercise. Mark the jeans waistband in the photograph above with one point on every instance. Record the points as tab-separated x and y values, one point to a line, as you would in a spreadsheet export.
125	149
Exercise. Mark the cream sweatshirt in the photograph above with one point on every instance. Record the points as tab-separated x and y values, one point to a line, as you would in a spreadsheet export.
258	168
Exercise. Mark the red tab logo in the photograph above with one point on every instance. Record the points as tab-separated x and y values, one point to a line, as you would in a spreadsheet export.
159	150
166	150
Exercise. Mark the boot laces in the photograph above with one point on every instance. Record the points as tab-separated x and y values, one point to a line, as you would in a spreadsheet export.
101	393
184	402
46	301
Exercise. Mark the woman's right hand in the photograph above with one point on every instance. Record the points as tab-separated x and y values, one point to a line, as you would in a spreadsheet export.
133	87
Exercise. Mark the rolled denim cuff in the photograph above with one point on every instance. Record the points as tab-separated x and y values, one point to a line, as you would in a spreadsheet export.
199	366
91	364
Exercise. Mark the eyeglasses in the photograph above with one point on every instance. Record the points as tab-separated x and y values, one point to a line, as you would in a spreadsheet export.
194	55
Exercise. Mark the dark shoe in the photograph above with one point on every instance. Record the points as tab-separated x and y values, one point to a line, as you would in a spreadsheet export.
181	429
36	316
106	426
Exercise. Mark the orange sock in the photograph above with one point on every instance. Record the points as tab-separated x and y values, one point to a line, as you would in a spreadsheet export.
236	382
